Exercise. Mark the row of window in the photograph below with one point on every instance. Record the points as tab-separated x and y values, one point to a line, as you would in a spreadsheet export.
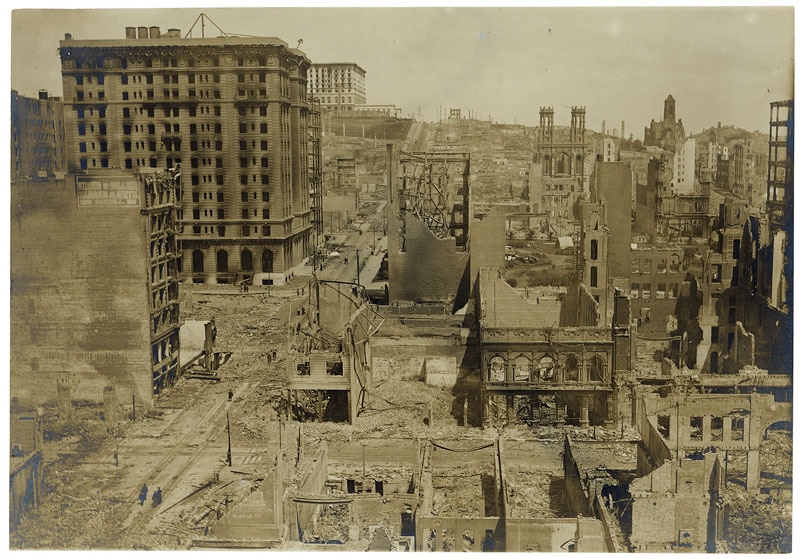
150	111
246	213
661	266
220	196
560	187
662	291
522	369
190	62
221	230
335	99
221	257
244	180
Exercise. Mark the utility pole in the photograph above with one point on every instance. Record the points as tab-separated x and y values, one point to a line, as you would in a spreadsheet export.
358	269
228	419
363	460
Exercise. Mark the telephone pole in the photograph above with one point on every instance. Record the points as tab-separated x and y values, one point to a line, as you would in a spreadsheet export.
228	420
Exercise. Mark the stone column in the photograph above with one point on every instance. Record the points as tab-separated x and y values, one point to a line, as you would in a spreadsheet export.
706	428
584	417
611	415
726	429
753	471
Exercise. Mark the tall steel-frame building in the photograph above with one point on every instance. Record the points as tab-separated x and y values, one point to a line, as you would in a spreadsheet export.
232	112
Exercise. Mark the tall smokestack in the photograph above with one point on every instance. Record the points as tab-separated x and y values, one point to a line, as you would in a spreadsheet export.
390	170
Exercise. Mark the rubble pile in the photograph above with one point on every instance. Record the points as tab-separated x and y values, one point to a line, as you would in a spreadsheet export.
457	492
761	525
332	525
531	494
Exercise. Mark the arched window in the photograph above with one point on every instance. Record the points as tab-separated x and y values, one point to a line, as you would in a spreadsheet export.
197	262
674	263
547	368
266	261
522	368
222	261
661	267
563	164
597	369
247	260
497	369
572	369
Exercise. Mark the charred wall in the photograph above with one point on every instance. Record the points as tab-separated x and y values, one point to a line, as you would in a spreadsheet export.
79	295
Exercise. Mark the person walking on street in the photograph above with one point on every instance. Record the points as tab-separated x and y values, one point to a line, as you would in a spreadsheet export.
143	495
156	497
230	395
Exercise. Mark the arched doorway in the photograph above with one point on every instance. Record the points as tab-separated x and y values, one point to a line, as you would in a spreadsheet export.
222	261
197	262
247	261
266	261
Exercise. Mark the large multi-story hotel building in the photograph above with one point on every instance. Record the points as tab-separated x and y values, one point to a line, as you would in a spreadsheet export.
339	86
232	111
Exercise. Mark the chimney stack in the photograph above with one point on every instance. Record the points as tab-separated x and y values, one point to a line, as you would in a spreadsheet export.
143	34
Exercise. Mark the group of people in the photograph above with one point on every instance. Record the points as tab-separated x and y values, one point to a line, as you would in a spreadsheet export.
157	496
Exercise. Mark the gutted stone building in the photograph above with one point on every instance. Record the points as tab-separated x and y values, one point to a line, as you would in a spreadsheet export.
535	368
37	136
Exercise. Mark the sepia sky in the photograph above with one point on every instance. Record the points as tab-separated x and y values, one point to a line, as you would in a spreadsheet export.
720	63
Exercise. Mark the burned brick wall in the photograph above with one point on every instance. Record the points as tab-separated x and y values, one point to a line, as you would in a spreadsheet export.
486	243
579	308
425	268
612	181
79	294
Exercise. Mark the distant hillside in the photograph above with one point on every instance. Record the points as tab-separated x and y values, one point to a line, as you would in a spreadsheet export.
729	135
373	127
